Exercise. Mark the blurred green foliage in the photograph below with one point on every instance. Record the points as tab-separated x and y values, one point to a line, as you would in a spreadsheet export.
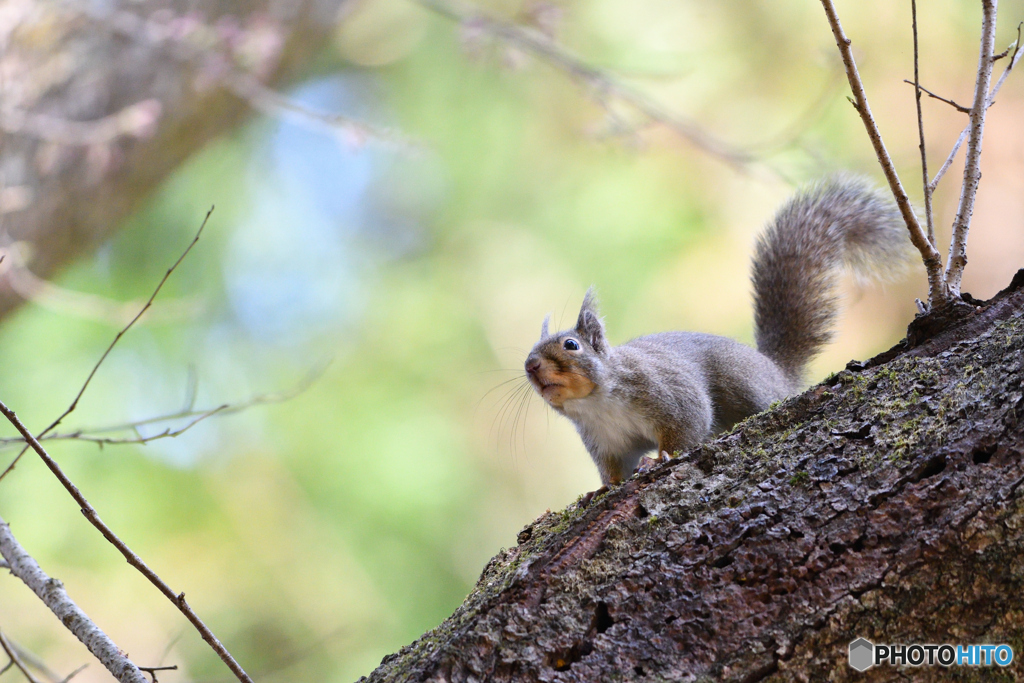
319	534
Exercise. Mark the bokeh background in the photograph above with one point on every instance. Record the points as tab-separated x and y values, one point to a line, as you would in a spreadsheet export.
410	277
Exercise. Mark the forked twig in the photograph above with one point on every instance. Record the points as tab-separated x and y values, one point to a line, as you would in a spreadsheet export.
1017	54
15	659
90	514
34	662
151	670
117	338
937	292
972	165
193	416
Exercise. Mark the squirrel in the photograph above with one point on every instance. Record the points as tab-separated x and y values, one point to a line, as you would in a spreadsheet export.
669	392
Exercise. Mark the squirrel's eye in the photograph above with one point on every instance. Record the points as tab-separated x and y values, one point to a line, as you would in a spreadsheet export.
571	345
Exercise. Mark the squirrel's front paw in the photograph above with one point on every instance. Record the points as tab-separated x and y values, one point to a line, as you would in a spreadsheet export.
649	462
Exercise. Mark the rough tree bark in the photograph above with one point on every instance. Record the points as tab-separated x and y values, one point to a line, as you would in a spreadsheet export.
884	503
99	105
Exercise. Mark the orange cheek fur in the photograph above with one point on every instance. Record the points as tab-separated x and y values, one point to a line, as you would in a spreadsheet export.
568	386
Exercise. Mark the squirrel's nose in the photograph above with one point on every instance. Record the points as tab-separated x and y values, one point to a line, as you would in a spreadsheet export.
532	365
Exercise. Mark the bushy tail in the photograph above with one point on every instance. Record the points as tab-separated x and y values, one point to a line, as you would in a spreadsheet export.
841	221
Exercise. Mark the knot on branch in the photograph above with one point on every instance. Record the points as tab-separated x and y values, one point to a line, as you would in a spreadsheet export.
939	317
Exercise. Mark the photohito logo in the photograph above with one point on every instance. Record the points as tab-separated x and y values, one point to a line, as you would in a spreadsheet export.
864	654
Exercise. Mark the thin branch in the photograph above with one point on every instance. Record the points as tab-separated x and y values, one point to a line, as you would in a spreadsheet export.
16	660
949	159
959	107
273	103
90	512
151	670
133	559
937	292
1017	54
243	83
68	302
602	83
36	662
920	131
117	338
74	673
137	120
193	416
52	593
972	164
167	433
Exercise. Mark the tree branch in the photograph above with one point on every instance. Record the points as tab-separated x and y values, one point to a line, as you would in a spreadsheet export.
972	165
601	82
117	338
937	291
193	416
90	512
69	302
137	120
134	560
920	131
247	86
959	107
53	595
15	659
1017	54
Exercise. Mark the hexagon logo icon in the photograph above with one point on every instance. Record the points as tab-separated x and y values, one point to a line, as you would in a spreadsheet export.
862	654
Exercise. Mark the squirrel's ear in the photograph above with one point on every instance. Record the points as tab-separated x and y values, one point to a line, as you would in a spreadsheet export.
544	326
589	325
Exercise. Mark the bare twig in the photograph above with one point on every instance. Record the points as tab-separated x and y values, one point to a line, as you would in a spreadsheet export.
1017	54
193	416
90	514
244	84
273	103
68	302
52	593
937	292
602	83
137	120
949	159
117	338
959	107
74	673
151	670
167	433
920	131
972	164
16	660
35	662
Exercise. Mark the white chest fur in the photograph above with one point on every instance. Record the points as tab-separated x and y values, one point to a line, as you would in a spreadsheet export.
609	427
